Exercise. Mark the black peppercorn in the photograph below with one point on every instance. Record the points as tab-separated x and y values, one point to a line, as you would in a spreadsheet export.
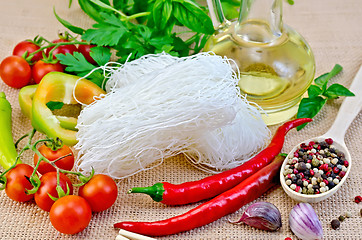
335	224
331	184
300	182
301	167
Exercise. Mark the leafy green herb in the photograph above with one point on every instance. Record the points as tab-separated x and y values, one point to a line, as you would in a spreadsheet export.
68	25
319	93
78	65
152	29
52	105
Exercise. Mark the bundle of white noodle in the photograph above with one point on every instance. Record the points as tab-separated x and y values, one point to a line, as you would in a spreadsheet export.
159	106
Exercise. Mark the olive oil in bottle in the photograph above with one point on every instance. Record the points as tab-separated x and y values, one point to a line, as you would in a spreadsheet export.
276	64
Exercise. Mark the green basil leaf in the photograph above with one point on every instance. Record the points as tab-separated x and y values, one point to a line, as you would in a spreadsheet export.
53	105
336	90
101	55
314	90
309	107
90	9
105	6
68	25
161	13
322	80
192	16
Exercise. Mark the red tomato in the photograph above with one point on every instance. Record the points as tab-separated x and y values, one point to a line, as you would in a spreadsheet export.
30	47
62	49
15	71
48	186
66	163
70	214
85	51
100	192
17	183
40	69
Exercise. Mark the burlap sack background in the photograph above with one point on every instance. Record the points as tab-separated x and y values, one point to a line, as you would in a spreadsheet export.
333	29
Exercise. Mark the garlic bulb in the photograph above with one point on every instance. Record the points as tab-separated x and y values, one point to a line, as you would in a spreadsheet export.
304	222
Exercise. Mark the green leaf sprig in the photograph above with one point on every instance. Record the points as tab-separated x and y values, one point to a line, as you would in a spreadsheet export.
319	93
138	27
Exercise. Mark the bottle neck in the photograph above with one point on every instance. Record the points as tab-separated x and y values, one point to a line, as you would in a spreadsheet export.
260	20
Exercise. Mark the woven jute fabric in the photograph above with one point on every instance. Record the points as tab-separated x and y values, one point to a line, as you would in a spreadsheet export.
333	30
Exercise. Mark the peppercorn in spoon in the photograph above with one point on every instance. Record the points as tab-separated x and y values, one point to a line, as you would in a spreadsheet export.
316	168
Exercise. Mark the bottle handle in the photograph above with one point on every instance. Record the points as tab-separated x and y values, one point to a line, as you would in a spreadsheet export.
216	13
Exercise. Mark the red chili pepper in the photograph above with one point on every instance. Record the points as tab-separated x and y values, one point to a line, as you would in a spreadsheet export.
226	203
211	186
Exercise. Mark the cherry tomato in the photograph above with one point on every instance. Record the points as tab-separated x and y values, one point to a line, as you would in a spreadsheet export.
85	51
100	192
17	183
48	186
62	49
66	163
70	214
30	47
15	71
40	69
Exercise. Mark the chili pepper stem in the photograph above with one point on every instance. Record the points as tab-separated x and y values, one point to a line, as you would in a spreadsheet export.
155	191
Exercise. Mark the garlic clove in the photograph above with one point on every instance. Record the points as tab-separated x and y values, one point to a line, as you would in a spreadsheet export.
262	215
304	222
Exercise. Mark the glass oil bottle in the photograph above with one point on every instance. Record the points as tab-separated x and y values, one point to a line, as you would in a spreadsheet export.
276	64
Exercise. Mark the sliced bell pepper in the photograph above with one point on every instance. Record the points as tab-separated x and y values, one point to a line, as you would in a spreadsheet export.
59	87
26	95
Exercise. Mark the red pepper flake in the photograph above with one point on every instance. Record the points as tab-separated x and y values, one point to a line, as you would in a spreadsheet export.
358	199
329	141
342	174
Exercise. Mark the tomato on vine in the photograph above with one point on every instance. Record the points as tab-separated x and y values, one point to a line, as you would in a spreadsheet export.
85	51
100	192
18	182
48	187
70	214
41	68
29	47
62	49
66	162
15	71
